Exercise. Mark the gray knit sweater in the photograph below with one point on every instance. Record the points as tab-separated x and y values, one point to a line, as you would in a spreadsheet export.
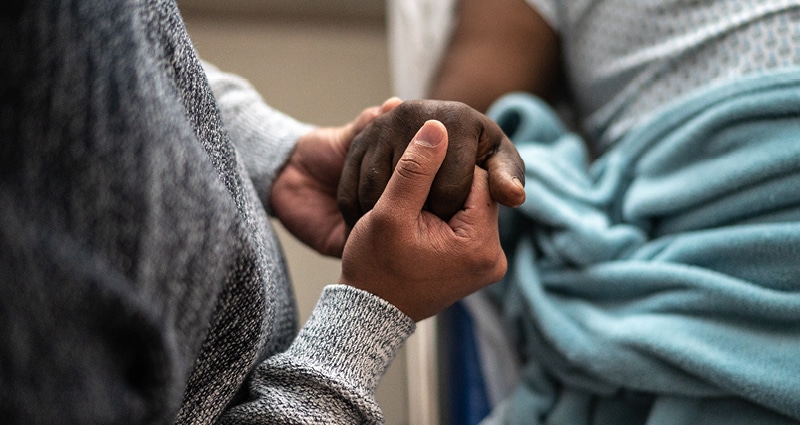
140	281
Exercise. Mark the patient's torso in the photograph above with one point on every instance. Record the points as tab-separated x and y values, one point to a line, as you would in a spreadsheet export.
627	58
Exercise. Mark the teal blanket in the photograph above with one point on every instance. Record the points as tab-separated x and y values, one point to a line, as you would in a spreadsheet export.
659	284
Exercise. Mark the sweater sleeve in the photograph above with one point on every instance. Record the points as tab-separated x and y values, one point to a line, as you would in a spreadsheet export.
264	137
331	371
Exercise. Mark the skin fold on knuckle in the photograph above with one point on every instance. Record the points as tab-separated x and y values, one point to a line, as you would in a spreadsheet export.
385	221
413	166
488	261
500	269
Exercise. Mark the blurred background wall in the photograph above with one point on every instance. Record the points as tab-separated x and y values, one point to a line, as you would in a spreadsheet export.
321	62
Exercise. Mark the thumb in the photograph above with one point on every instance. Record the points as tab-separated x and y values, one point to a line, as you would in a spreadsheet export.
408	188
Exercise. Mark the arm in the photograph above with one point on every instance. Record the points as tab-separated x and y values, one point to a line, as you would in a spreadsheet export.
497	47
330	372
263	136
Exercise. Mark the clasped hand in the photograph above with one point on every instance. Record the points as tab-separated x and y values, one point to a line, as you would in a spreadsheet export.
474	140
400	247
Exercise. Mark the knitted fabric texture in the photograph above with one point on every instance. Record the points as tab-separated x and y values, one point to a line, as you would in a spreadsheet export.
140	281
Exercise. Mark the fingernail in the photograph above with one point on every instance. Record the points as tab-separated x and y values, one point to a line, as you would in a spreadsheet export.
521	187
390	103
430	135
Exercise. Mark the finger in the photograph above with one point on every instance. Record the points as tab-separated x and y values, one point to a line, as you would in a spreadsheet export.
376	170
500	158
410	184
390	104
369	114
454	179
347	192
480	206
478	223
507	175
360	123
348	189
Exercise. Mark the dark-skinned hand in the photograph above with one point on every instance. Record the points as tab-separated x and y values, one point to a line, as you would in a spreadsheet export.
474	139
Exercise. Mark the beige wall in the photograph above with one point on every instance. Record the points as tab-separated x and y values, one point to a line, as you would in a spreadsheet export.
319	68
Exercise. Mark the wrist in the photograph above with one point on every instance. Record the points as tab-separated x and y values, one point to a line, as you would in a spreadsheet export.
353	335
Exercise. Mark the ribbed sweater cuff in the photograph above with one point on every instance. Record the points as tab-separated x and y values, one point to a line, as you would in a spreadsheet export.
353	334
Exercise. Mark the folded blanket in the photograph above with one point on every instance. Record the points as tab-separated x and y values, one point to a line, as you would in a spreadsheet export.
659	284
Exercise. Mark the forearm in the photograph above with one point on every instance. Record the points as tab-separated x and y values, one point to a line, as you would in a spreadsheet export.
516	50
330	373
263	137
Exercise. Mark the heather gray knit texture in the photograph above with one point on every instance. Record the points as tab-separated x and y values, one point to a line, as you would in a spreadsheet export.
140	281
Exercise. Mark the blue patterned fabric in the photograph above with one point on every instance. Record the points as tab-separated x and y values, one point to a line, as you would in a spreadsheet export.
659	284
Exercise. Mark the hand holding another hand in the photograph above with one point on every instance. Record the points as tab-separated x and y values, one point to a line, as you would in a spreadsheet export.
412	258
303	195
474	139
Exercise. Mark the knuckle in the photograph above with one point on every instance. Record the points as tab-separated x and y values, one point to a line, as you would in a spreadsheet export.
383	222
371	186
453	112
500	269
491	263
412	166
